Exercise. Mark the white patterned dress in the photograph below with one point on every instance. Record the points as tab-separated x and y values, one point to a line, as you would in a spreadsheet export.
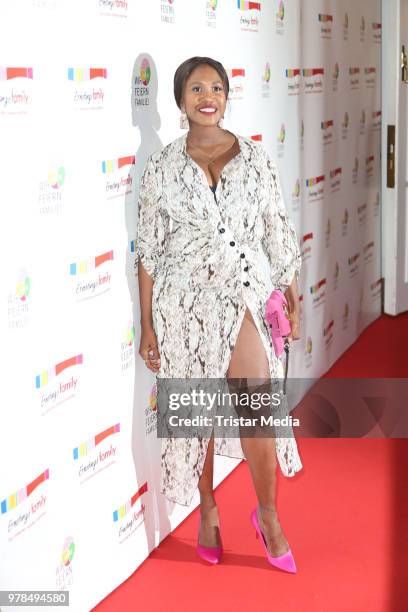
204	255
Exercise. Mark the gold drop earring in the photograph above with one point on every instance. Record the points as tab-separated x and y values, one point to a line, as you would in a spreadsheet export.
184	125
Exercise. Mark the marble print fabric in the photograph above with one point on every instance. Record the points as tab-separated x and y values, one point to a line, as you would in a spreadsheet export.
205	254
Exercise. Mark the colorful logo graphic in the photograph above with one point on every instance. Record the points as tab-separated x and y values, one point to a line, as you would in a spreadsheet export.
6	73
132	246
47	375
328	327
111	165
336	71
68	551
56	177
145	72
130	334
315	288
19	496
153	398
213	4
123	510
327	124
325	18
86	74
23	287
256	137
281	11
235	72
309	72
267	73
85	447
311	182
296	191
282	134
292	72
90	264
244	5
309	345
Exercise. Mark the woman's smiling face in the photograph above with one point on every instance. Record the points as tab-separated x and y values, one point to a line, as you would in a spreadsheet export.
204	96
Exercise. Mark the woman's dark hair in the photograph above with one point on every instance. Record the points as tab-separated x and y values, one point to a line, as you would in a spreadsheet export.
186	68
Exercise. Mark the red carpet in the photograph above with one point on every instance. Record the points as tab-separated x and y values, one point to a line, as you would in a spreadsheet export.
345	516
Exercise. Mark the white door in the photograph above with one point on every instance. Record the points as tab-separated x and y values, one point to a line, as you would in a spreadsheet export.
394	156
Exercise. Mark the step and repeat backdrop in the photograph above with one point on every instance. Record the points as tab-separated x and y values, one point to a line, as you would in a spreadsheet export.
85	96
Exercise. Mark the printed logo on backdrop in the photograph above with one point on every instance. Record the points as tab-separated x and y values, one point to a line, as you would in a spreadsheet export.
96	454
118	176
87	87
307	356
64	574
326	25
376	121
354	171
327	233
130	515
362	214
51	192
236	77
302	135
256	137
345	126
141	92
345	27
370	74
328	333
353	263
113	8
313	80
18	302
211	13
363	122
335	179
167	11
127	348
327	131
368	252
59	383
376	290
151	412
315	188
280	141
362	29
318	292
354	74
306	246
336	275
293	81
296	196
91	277
280	18
376	32
344	222
266	77
248	15
345	317
335	76
16	90
369	167
22	509
133	253
376	205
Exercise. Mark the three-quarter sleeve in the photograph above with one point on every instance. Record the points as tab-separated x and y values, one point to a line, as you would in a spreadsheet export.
279	240
149	234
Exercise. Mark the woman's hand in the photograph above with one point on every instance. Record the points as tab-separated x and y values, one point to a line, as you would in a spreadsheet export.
148	349
294	326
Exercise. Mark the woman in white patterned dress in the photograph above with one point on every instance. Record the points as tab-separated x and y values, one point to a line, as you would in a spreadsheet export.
210	203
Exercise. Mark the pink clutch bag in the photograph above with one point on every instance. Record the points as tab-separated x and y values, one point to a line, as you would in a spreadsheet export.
276	306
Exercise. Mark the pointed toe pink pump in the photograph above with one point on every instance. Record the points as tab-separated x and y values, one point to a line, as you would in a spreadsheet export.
284	562
212	554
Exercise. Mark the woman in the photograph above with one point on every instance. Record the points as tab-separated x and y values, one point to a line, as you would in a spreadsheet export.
210	202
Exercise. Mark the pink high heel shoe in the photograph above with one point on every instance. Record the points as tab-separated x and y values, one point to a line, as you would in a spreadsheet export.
212	554
284	562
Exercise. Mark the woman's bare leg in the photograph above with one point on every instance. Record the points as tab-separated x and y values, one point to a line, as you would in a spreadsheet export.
249	361
208	534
